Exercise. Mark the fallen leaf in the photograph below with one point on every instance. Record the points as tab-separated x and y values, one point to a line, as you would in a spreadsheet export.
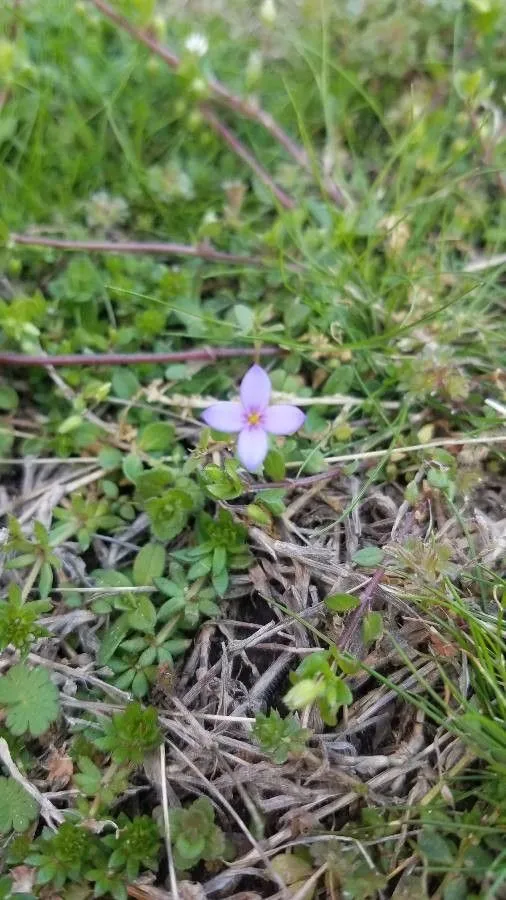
441	646
23	879
59	769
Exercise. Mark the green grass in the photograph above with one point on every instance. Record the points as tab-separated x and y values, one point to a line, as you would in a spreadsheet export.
369	302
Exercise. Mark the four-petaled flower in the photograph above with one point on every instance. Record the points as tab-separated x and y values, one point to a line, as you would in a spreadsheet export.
253	418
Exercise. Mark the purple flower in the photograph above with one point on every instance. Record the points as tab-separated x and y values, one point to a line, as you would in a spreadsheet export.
253	418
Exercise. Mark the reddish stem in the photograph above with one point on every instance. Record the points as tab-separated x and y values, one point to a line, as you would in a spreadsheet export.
221	93
306	481
130	359
143	37
172	60
243	153
201	251
255	113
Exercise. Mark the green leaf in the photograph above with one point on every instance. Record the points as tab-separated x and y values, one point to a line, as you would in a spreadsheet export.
341	602
140	685
338	693
315	462
132	467
70	423
125	384
18	619
244	317
306	691
258	515
110	458
17	808
8	398
131	734
369	557
278	737
110	489
152	483
157	436
31	699
222	483
220	582
111	578
45	580
190	847
148	564
112	639
456	888
293	870
177	372
438	851
219	560
6	441
5	880
438	478
315	423
89	778
274	465
346	663
169	513
20	562
273	499
372	627
340	381
143	618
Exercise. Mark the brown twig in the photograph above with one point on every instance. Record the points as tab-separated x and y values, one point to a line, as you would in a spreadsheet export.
200	251
130	359
172	60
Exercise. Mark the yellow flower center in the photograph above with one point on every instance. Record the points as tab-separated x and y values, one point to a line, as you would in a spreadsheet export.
253	418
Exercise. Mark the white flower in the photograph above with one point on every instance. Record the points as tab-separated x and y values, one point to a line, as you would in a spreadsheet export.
105	211
197	44
170	182
268	12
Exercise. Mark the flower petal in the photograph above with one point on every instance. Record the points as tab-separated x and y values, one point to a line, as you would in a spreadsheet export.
283	419
224	416
252	448
255	389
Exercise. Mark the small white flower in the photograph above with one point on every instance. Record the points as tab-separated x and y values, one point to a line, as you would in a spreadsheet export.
105	211
268	12
197	44
170	182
